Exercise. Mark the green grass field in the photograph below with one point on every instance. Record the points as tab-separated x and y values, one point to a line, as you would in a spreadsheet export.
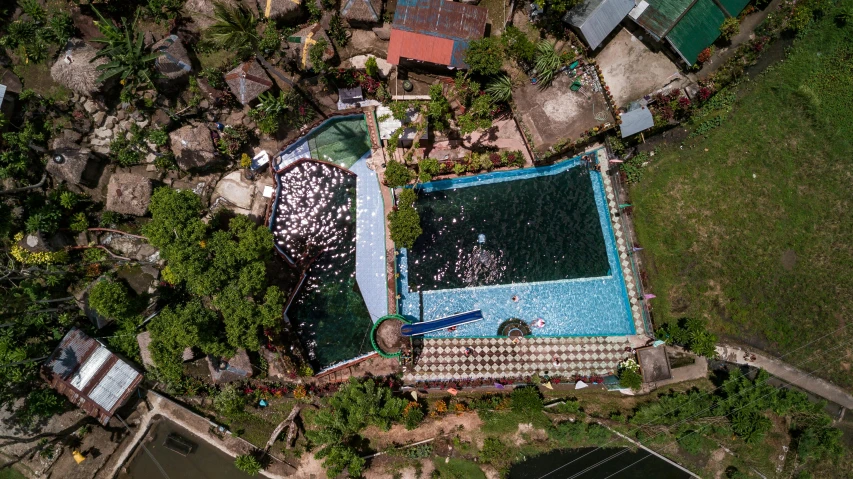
752	226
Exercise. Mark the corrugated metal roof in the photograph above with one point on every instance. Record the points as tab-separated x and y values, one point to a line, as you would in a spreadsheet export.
70	354
114	385
734	7
90	368
660	16
597	18
416	46
636	121
89	375
432	20
697	30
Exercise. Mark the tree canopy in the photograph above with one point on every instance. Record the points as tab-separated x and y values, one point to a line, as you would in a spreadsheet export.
485	56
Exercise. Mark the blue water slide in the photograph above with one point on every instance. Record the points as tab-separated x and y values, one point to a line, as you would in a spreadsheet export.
425	327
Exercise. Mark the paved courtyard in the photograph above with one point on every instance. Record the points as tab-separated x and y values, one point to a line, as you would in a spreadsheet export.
556	113
632	70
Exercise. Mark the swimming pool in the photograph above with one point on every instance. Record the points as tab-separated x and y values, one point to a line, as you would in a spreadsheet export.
591	301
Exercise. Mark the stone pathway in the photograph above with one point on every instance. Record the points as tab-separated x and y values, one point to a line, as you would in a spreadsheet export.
622	238
445	359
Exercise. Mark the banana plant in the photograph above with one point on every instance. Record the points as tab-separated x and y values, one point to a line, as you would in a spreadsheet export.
129	60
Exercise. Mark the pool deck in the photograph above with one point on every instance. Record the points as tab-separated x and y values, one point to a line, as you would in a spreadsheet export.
370	271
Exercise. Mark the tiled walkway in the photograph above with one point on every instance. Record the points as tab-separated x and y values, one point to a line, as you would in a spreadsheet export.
445	359
370	269
621	245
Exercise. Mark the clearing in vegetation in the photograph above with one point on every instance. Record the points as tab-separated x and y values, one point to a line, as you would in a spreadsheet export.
749	226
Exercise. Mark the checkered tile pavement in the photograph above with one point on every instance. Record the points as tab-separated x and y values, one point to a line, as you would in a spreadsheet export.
445	359
621	244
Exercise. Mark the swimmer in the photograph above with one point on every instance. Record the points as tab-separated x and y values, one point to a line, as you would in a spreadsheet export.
539	323
515	298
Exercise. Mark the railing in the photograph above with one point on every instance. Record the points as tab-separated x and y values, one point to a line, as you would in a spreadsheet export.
621	194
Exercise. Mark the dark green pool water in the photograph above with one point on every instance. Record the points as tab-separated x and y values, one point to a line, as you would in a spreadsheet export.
539	229
559	465
328	311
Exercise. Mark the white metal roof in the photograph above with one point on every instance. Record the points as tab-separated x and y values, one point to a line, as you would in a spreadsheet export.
90	368
114	384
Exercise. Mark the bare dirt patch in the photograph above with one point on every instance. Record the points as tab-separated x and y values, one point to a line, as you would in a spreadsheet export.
527	433
398	435
789	259
632	70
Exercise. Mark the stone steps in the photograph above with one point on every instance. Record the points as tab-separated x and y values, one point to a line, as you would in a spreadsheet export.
445	359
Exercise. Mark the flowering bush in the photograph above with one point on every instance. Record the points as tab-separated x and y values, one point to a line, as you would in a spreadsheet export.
704	93
704	55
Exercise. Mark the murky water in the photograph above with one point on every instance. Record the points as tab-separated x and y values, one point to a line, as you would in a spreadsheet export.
599	464
540	229
204	462
315	224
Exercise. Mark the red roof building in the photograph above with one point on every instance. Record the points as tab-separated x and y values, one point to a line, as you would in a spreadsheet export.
435	31
90	376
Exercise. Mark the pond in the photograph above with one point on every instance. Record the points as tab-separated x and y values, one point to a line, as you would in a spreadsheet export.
204	462
627	465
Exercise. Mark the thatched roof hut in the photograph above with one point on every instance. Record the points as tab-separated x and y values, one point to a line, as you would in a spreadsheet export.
361	12
193	147
76	69
302	41
173	62
129	194
201	11
247	81
278	9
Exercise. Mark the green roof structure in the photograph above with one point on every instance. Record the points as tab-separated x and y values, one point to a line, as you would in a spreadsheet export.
690	26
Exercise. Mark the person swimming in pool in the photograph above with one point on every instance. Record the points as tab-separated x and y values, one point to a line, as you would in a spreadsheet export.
515	298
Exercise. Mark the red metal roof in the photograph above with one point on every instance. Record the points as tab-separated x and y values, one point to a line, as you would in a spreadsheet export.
417	46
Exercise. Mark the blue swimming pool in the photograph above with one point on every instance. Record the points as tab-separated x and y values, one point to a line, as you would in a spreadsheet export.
594	305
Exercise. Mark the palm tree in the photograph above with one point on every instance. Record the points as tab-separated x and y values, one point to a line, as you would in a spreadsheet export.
547	62
500	89
126	52
235	29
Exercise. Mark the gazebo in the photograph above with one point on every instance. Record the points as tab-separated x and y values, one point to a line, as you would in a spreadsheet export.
362	12
279	9
247	81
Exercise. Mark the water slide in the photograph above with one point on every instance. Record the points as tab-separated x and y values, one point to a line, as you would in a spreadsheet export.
425	327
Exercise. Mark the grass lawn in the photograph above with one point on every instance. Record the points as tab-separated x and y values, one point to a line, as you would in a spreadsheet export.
36	77
751	227
9	473
458	469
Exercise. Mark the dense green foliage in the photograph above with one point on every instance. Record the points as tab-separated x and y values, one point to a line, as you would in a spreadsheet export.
427	169
110	299
404	223
547	62
226	265
729	28
438	109
354	407
235	29
690	333
396	174
518	46
129	59
500	89
526	400
31	35
485	56
248	464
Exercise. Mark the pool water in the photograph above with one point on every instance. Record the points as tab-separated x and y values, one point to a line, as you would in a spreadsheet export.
577	288
542	229
341	141
601	463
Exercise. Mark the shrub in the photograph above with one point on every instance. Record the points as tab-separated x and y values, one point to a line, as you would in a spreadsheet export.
704	55
371	67
485	56
229	401
518	46
248	464
397	174
690	333
413	415
630	378
428	168
496	453
460	168
158	136
405	226
79	222
110	299
694	442
548	61
526	400
729	28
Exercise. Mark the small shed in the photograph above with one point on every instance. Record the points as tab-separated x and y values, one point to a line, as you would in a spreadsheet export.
90	376
654	363
247	81
174	61
77	68
636	121
350	98
279	9
129	194
192	146
362	12
237	368
596	19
